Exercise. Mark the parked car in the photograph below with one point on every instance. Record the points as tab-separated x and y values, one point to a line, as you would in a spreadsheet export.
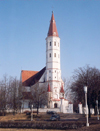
51	112
55	117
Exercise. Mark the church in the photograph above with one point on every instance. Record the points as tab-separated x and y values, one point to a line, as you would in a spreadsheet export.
49	76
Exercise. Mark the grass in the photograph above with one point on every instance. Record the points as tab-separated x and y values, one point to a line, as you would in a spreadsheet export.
90	128
23	116
13	117
1	129
43	116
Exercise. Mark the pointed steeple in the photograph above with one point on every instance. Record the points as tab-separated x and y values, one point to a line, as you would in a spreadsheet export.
62	89
48	90
52	28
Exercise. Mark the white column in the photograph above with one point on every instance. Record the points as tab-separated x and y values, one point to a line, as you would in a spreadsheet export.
80	108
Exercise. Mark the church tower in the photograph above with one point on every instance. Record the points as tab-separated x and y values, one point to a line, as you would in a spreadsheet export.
48	78
53	71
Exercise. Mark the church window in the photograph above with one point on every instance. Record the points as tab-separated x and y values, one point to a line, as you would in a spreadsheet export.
54	54
55	105
54	43
58	44
50	43
50	55
55	71
58	55
49	71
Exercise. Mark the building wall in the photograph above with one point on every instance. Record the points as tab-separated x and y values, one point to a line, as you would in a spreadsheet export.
25	104
53	71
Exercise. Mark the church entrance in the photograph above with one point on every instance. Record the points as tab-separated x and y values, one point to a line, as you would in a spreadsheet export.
55	105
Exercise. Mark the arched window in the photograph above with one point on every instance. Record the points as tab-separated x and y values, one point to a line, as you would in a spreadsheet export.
50	43
54	43
54	54
50	55
55	105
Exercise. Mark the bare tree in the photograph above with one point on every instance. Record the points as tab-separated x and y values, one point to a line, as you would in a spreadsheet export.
67	83
10	93
39	96
14	94
90	77
3	94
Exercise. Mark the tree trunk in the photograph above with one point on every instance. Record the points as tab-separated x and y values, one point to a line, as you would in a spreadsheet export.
89	110
95	110
37	110
89	113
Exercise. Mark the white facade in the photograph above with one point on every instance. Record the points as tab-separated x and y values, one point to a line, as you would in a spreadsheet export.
52	74
80	108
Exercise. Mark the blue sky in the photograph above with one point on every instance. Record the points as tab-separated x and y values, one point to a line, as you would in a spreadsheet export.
24	25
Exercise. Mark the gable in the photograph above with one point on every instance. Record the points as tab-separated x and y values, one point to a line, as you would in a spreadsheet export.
29	78
27	74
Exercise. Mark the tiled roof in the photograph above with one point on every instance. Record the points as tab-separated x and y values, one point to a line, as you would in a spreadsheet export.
33	78
27	74
52	28
62	89
55	99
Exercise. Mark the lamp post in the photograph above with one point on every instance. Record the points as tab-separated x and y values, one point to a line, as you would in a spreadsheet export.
97	110
85	90
32	113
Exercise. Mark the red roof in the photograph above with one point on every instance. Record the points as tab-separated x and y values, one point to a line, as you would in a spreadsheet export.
55	99
52	28
48	90
62	89
61	97
29	78
70	102
27	74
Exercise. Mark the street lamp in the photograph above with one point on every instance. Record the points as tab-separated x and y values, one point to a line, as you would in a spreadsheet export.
85	90
97	110
32	113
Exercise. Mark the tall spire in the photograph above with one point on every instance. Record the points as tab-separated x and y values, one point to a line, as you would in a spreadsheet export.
62	89
48	90
52	28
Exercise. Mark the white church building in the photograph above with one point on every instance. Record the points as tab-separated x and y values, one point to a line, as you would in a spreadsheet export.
50	76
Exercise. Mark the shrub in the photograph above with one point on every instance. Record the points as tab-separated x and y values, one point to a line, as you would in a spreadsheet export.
2	113
41	125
